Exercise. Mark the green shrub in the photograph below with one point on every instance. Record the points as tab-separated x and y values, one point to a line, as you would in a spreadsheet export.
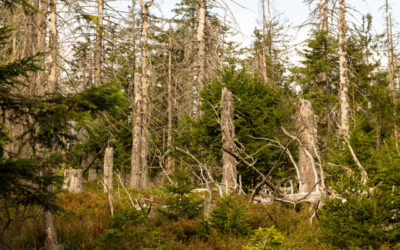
229	216
180	205
265	239
126	218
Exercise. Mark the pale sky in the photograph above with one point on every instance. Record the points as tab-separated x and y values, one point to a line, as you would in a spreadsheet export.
295	12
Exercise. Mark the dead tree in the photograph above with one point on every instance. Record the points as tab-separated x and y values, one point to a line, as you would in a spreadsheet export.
229	177
308	147
170	115
201	52
98	49
92	175
344	73
108	169
53	48
390	66
141	113
50	242
139	177
73	180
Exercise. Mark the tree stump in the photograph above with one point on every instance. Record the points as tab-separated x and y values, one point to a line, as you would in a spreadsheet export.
92	176
73	180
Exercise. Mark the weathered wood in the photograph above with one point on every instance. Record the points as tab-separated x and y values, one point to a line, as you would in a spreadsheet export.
73	180
108	169
229	175
344	74
308	147
92	176
201	52
98	49
50	242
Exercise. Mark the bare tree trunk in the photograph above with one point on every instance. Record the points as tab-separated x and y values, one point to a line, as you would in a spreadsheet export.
73	180
108	169
229	177
391	69
264	44
50	242
344	74
326	16
98	49
40	82
136	165
201	53
169	131
308	150
53	46
145	97
92	175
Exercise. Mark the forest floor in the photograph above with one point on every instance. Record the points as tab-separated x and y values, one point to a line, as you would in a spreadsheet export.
86	223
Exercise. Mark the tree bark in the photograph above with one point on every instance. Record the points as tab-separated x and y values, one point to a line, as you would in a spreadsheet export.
73	180
50	242
344	74
201	53
229	177
53	47
391	70
264	43
108	169
170	117
308	148
98	49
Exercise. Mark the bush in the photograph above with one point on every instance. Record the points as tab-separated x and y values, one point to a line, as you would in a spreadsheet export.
229	216
265	239
180	205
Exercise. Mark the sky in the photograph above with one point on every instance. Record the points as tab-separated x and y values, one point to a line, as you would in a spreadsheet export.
295	12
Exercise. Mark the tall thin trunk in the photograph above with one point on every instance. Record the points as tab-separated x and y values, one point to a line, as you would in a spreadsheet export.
391	69
229	177
169	131
53	46
40	80
326	16
145	95
201	53
98	49
136	164
344	74
264	43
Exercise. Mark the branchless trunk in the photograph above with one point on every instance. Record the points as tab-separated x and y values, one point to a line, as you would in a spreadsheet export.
136	163
53	47
264	43
169	131
344	74
229	177
50	242
201	53
145	96
73	180
98	49
309	159
391	69
108	169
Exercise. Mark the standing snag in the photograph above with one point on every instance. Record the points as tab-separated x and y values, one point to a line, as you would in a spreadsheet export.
229	178
108	169
308	147
73	180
